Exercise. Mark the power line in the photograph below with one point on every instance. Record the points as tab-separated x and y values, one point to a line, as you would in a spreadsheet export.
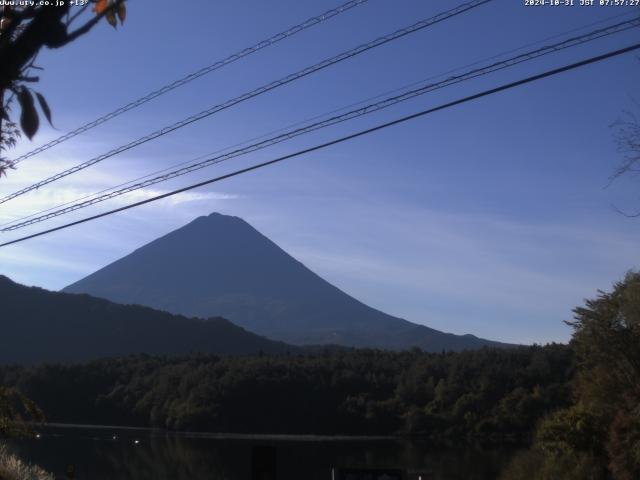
315	117
194	75
258	91
331	121
352	136
370	108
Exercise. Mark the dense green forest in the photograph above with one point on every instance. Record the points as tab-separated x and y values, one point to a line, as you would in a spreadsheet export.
482	393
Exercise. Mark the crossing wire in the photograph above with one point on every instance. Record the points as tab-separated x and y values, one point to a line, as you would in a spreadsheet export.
352	136
194	75
258	91
370	108
315	117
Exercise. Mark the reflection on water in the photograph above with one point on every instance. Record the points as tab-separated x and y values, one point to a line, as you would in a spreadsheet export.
100	454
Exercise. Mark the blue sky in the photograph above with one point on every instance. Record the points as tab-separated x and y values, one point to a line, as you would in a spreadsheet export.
489	218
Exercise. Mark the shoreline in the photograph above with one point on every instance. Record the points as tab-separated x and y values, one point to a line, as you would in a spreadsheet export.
434	440
231	436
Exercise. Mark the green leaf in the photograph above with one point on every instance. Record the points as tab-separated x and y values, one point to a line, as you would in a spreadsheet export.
29	121
45	107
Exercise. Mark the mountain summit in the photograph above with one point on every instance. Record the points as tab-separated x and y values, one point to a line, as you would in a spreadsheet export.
220	265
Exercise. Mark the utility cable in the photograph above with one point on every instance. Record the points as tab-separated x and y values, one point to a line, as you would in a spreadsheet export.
367	109
194	75
315	117
352	136
254	93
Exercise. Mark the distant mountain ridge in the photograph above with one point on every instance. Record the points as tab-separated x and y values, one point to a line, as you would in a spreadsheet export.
37	325
220	265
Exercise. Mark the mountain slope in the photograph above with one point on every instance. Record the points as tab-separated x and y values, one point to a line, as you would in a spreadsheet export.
220	265
37	325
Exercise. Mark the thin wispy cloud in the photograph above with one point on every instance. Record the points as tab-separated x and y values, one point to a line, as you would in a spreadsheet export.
80	187
454	269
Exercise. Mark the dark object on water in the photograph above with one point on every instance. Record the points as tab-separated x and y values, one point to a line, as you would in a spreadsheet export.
366	474
263	463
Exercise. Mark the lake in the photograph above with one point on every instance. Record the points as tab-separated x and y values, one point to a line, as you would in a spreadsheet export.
101	453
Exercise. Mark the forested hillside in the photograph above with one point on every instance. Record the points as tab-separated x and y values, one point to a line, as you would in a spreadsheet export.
484	393
41	326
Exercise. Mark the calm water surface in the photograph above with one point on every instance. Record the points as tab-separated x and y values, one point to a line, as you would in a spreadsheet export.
111	453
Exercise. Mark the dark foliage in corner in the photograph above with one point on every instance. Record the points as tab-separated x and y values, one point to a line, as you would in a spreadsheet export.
598	437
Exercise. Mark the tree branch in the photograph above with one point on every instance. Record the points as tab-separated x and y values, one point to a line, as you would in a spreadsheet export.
80	11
